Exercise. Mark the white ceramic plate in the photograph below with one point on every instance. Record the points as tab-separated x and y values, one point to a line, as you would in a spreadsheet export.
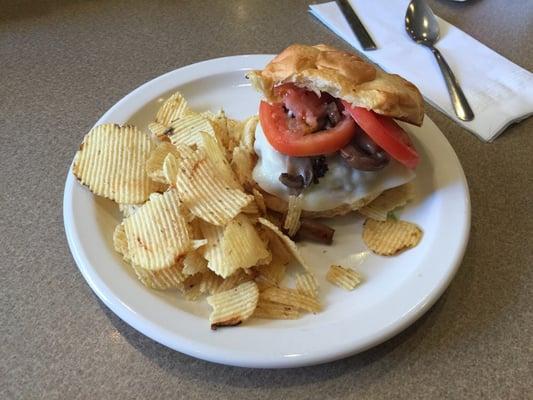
396	291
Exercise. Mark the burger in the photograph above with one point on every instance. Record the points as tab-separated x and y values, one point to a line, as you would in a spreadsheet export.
327	130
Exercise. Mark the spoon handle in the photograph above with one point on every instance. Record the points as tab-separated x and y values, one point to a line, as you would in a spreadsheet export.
460	104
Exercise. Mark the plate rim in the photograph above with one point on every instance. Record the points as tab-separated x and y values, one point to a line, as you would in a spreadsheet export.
168	338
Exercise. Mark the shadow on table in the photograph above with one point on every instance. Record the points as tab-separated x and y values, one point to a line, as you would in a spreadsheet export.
461	315
180	365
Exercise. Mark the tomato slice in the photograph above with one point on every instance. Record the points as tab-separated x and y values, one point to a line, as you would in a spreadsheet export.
386	133
298	142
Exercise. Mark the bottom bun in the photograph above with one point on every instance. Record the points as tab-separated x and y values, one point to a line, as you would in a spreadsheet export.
279	205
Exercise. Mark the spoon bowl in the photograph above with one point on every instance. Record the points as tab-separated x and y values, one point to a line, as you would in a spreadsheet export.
421	24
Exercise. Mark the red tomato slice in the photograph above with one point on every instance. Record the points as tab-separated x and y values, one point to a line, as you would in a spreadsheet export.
297	142
386	133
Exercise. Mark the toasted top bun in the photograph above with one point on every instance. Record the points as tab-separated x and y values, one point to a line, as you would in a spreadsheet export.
344	75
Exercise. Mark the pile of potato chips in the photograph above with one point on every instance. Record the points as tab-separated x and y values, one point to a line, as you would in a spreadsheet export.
195	221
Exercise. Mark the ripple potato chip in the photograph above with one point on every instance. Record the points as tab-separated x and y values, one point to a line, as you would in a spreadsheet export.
173	108
291	246
307	285
128	209
234	280
194	263
158	233
204	192
345	278
217	155
120	241
243	162
187	130
170	169
268	310
154	164
291	297
294	210
234	247
163	279
390	237
233	306
388	201
111	163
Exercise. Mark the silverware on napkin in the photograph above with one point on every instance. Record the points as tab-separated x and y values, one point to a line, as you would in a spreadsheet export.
357	26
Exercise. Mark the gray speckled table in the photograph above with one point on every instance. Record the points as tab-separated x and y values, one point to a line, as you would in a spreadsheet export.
63	63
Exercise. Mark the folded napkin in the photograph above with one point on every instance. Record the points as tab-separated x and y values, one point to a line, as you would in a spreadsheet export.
498	91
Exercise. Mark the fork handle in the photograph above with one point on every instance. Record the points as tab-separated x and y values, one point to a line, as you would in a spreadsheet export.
460	104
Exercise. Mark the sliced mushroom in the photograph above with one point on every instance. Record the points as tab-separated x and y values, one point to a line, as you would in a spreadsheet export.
364	154
302	166
292	181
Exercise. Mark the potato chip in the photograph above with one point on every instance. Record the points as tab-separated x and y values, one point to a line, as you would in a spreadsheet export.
159	131
202	190
248	134
390	237
219	122
292	220
251	208
111	162
128	209
242	244
162	279
235	131
213	251
235	279
210	282
263	283
388	201
260	201
194	263
272	273
173	108
291	297
291	246
191	287
233	306
236	246
158	232
274	203
154	164
243	163
260	84
170	169
265	260
196	230
120	241
216	153
268	310
307	285
345	278
187	130
279	250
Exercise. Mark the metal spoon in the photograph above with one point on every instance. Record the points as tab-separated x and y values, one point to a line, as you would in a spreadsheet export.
422	26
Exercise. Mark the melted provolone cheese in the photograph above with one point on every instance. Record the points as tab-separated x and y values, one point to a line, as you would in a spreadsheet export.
342	184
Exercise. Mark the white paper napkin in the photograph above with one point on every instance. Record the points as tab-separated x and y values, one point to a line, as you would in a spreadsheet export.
498	91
